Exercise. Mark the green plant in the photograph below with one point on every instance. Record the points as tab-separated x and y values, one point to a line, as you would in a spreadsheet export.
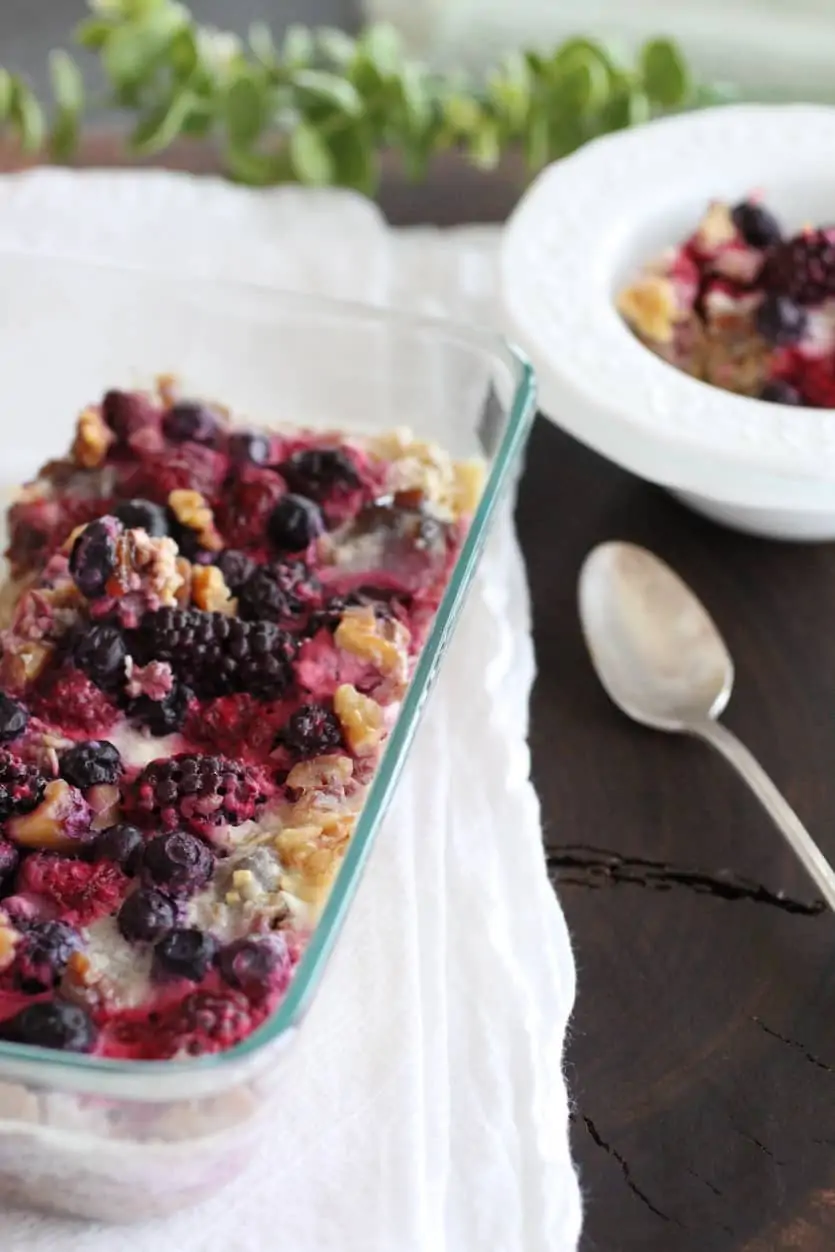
322	107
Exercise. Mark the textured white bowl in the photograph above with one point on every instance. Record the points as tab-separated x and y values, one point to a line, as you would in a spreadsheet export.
586	225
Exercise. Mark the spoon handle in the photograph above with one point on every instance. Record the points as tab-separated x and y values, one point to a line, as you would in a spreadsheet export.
783	815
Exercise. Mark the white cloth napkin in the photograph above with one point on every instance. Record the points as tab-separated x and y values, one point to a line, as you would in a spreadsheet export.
424	1106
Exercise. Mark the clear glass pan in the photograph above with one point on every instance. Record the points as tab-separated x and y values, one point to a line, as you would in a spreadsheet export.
124	1140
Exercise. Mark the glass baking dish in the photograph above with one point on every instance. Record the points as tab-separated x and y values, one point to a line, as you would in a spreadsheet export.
125	1141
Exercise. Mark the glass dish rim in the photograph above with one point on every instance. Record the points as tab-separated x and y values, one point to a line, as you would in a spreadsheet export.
520	412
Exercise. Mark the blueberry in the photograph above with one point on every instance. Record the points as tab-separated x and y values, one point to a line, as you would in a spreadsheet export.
43	954
235	566
14	718
246	448
90	764
9	859
93	557
52	1024
162	717
122	844
143	515
758	227
294	523
780	321
146	916
249	964
185	953
100	651
778	392
179	862
316	471
189	422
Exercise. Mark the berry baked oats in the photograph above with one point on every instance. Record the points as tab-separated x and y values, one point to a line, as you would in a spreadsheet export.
744	306
208	632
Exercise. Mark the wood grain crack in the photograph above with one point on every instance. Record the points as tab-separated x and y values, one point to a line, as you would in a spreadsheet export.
792	1043
757	1143
576	865
625	1170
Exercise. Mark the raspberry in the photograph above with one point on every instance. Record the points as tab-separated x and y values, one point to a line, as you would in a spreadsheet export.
93	556
38	528
80	891
100	651
42	955
815	380
70	700
240	722
126	413
198	792
14	718
189	466
52	1024
205	1022
242	514
21	786
278	593
90	764
314	472
313	730
215	654
802	268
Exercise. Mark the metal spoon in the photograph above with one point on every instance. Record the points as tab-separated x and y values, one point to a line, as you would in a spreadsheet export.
663	662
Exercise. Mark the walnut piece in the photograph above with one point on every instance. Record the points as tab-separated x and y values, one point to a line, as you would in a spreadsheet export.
716	227
649	306
146	565
8	942
93	438
22	663
321	773
311	855
360	717
415	465
209	590
192	510
384	644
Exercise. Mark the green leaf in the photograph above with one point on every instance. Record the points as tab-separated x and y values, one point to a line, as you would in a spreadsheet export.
67	81
484	148
133	51
163	124
462	114
27	116
245	110
310	156
415	100
580	80
263	45
93	33
258	169
297	46
665	73
183	54
538	142
330	88
355	160
6	94
509	89
382	47
335	45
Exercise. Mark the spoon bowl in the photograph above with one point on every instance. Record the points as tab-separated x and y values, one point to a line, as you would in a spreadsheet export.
657	651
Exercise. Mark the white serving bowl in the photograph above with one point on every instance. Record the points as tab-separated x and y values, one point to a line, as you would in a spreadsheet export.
584	228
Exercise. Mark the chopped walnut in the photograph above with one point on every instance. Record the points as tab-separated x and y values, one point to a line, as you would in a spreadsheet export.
22	663
649	306
716	227
424	468
93	438
321	773
192	510
185	570
360	717
8	942
56	823
146	565
312	854
468	484
209	590
383	643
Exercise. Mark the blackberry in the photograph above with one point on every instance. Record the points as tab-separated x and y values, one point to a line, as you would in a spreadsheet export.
779	392
162	717
52	1024
122	844
189	422
177	862
246	448
216	655
93	557
198	792
21	786
252	965
277	592
143	515
146	916
42	955
90	764
315	472
294	523
780	321
185	953
802	268
312	730
758	227
100	651
14	718
236	568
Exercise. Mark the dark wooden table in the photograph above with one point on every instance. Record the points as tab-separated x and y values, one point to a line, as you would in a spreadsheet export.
702	1053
